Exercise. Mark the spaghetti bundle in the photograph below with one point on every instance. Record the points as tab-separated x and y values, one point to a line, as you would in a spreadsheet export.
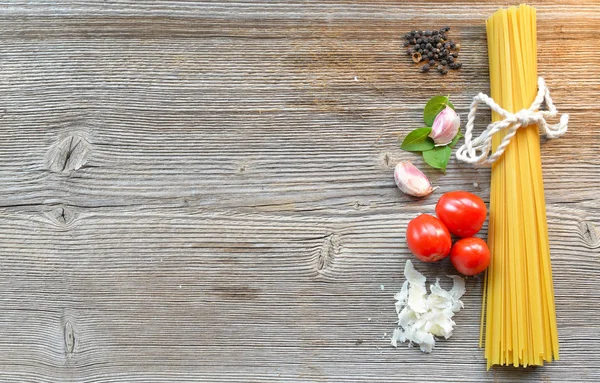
520	318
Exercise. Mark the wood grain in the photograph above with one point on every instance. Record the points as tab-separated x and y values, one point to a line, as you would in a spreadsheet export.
202	191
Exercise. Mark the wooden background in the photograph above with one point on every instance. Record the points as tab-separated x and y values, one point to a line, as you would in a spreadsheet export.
203	191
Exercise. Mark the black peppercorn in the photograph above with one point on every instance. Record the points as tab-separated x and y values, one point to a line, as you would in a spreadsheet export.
455	65
433	48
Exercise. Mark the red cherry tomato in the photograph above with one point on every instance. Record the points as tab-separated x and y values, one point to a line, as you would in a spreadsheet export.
462	212
470	256
428	239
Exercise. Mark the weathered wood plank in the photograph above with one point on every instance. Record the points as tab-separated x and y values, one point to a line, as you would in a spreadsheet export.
203	192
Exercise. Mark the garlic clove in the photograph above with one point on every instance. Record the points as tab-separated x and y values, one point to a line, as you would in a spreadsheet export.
411	180
445	127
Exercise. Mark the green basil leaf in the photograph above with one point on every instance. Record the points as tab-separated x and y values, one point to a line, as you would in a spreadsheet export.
438	157
455	139
418	140
433	107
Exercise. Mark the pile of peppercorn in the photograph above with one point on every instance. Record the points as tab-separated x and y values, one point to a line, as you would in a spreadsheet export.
433	47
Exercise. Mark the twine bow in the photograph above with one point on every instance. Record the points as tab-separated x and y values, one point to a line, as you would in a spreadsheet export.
477	151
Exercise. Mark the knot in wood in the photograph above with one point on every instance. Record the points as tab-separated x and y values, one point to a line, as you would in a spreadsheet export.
68	154
589	234
69	339
62	215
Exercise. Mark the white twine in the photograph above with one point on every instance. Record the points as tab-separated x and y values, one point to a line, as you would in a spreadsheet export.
477	151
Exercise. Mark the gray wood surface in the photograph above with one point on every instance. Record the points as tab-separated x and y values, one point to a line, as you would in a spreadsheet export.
203	191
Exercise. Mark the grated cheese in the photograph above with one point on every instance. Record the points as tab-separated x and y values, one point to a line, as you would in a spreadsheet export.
423	317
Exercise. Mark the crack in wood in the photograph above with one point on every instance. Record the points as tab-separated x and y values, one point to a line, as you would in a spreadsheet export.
236	292
69	153
312	238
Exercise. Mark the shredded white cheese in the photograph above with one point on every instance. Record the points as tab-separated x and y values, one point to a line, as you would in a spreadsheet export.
423	317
